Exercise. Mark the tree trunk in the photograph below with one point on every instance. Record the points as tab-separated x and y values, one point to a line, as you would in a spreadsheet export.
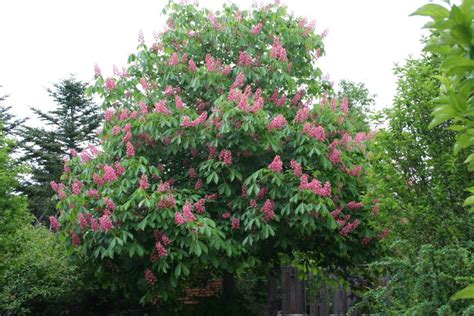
228	286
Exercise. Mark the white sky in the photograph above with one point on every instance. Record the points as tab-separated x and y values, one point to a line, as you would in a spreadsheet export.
44	41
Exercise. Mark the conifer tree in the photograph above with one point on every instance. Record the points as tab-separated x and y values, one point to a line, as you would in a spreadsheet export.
10	123
70	126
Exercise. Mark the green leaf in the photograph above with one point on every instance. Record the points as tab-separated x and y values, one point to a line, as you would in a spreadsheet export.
462	34
435	11
469	201
177	271
466	293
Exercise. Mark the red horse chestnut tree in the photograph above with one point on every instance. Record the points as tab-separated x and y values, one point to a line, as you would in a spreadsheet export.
221	147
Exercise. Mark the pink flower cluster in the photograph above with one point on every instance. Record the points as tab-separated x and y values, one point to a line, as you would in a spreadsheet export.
244	191
192	172
245	59
242	99
106	222
239	81
109	204
366	240
98	179
95	225
335	156
355	172
349	227
85	156
150	277
186	216
215	22
279	101
179	102
144	83
226	215
384	233
84	220
97	71
199	120
160	107
161	250
109	174
55	225
76	240
297	169
192	65
167	202
213	64
144	182
59	189
93	193
257	28
130	150
278	122
173	60
235	223
302	115
253	203
109	114
169	90
268	210
262	193
345	105
276	165
110	84
315	186
226	156
316	132
199	206
335	214
198	185
297	97
353	205
278	51
77	187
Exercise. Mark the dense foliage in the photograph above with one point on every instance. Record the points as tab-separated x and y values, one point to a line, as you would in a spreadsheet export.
221	148
420	186
34	272
453	39
72	124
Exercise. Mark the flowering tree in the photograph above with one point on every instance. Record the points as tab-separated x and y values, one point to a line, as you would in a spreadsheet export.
221	146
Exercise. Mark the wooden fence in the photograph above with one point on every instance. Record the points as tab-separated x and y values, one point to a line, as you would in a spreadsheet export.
331	300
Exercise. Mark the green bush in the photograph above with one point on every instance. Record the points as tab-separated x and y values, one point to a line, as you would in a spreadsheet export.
35	275
418	186
421	281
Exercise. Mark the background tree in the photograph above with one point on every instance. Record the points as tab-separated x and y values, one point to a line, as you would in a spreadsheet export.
70	126
419	186
452	37
360	100
215	158
9	121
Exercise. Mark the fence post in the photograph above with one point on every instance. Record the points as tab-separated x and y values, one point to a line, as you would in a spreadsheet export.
271	308
293	300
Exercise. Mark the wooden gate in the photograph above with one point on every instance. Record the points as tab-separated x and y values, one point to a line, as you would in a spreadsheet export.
331	299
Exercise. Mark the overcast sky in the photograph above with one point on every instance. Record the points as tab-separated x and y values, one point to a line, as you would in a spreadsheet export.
44	41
